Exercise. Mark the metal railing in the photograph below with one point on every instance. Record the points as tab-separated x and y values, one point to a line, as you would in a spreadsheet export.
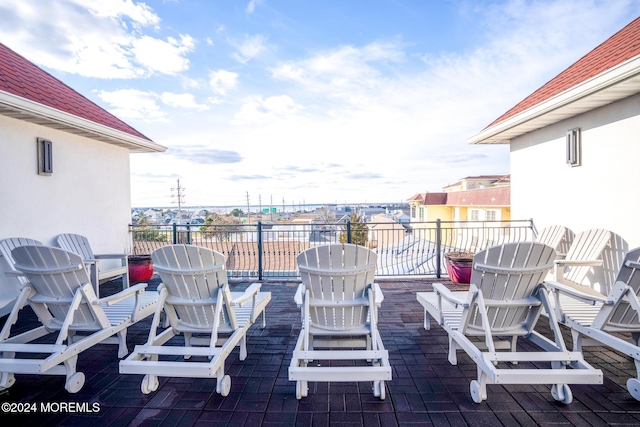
269	251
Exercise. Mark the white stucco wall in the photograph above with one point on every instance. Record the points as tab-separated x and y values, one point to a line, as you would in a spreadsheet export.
88	192
602	193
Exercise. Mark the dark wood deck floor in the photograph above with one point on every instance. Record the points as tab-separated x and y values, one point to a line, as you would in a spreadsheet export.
425	390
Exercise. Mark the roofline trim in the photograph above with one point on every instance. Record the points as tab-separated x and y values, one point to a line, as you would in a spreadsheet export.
607	78
48	113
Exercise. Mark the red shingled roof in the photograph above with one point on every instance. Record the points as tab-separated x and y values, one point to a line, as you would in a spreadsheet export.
492	196
623	45
20	77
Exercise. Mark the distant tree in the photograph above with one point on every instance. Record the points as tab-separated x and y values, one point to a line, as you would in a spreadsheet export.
236	212
142	231
359	231
219	227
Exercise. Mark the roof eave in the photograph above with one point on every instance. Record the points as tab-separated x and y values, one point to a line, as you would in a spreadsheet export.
609	86
24	109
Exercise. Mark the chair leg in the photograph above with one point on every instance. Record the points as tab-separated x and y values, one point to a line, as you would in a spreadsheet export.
187	343
243	347
577	340
75	380
479	387
122	343
453	346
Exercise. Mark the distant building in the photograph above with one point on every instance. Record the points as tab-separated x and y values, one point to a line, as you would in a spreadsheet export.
473	198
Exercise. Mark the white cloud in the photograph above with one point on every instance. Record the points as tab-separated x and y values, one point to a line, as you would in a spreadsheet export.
167	57
251	7
257	110
102	38
133	104
222	80
249	48
140	13
347	72
182	100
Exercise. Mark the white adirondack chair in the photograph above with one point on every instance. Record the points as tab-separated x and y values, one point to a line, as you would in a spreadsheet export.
558	237
339	304
196	298
584	253
612	320
10	293
504	302
80	245
60	293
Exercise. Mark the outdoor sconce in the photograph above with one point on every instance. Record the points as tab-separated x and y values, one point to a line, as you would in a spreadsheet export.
45	157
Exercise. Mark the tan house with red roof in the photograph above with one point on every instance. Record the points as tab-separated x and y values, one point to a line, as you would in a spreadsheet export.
64	162
473	198
575	142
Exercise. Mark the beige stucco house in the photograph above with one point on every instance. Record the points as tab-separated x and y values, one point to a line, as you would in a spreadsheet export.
575	145
64	163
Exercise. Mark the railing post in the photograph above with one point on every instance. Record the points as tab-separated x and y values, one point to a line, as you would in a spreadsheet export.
259	250
348	231
175	233
189	233
438	248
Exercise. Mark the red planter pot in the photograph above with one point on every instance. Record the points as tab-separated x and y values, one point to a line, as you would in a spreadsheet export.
140	268
459	267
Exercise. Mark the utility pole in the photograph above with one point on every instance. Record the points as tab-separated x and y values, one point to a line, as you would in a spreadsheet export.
180	198
271	208
260	205
248	211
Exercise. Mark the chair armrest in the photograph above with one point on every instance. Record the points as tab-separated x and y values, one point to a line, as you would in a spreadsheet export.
574	292
297	298
122	295
110	256
14	273
248	294
439	288
579	263
378	293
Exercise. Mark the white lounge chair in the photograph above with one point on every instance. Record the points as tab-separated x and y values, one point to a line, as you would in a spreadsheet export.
583	255
99	274
11	291
504	302
612	320
196	298
558	237
61	295
339	304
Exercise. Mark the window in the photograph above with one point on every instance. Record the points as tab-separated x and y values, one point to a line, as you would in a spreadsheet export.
45	157
492	215
413	211
574	147
474	215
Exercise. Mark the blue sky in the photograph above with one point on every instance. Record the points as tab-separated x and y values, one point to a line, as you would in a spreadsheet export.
308	101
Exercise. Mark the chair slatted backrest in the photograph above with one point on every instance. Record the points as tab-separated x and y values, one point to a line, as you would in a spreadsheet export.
56	273
9	244
624	316
558	237
337	273
509	272
195	273
77	244
587	245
